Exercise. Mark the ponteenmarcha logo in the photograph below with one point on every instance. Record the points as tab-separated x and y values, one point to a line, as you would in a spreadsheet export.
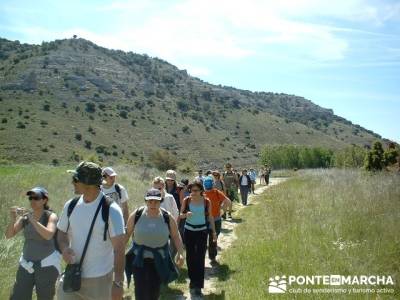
338	284
277	285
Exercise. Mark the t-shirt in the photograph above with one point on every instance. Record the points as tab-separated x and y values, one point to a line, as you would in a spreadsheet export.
113	194
99	258
244	180
216	198
253	175
169	205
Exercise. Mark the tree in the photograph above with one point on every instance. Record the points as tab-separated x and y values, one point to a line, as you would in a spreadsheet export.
374	160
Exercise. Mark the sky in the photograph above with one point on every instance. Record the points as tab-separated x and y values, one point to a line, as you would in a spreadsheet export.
342	54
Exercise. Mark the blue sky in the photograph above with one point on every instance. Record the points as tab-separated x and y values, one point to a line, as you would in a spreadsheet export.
343	55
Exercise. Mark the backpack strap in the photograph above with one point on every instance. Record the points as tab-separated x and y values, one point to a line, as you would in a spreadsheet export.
118	190
105	214
71	207
138	214
165	215
186	203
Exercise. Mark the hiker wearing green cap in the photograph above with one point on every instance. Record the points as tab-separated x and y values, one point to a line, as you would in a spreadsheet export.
39	264
91	238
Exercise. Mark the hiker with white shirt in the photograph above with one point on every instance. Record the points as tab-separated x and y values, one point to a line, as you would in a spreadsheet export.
91	238
168	203
115	190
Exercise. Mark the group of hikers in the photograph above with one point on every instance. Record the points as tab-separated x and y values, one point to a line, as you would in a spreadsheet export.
94	228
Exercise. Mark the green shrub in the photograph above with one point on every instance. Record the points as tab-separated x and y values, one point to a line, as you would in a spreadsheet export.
163	160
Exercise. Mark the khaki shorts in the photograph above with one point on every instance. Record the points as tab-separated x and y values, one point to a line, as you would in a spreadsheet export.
98	288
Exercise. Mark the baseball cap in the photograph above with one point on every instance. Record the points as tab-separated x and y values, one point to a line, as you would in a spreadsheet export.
109	171
208	183
153	194
38	191
87	173
171	175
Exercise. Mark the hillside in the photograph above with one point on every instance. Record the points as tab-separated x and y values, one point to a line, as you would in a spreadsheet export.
68	99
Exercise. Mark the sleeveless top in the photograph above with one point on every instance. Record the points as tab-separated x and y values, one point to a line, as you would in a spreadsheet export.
151	232
35	246
197	221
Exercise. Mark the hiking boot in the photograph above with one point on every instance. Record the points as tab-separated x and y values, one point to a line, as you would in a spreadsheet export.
198	292
230	215
224	216
213	262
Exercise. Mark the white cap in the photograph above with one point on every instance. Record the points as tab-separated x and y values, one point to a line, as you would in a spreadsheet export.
109	171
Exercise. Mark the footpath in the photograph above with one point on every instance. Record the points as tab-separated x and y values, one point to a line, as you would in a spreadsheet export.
225	240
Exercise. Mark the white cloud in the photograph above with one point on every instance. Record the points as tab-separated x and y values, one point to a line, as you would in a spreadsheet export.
230	29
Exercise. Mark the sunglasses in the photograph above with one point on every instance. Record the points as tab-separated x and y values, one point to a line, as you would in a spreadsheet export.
35	198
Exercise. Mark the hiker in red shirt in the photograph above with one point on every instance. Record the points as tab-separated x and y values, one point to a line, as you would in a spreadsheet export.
218	201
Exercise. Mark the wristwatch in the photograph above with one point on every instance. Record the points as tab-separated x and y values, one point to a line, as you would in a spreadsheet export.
119	284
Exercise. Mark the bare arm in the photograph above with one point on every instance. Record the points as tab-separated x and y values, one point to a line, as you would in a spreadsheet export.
46	232
118	243
130	226
176	237
67	253
15	225
226	203
125	211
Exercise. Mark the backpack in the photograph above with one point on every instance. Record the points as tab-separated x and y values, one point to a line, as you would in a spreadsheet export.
118	190
186	203
140	210
105	212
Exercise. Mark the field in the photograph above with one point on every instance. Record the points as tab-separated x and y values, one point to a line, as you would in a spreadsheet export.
318	222
16	180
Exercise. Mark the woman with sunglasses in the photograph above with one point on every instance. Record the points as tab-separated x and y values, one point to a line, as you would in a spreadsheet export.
196	210
39	264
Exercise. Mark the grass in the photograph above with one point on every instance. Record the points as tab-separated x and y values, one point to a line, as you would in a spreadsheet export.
319	223
16	180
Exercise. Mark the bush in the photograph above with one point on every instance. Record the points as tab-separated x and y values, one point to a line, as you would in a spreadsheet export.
123	114
163	160
78	137
4	120
186	129
88	144
46	107
90	107
182	105
21	125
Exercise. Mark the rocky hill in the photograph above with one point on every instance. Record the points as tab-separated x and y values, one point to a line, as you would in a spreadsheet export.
68	99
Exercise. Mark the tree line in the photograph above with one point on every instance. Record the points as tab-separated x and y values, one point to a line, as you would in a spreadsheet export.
299	157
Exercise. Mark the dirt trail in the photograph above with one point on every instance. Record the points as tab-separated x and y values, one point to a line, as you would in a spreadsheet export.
225	240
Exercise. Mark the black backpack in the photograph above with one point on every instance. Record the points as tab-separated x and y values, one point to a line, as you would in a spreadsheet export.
118	190
105	212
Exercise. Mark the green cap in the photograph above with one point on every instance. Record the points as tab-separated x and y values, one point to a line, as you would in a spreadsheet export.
87	173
